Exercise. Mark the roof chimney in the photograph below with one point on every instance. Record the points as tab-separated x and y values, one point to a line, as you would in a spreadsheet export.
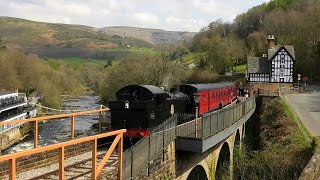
271	42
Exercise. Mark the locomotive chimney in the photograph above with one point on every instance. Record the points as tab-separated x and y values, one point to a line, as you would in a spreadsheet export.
271	42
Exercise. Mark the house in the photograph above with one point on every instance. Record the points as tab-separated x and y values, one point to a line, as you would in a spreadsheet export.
273	70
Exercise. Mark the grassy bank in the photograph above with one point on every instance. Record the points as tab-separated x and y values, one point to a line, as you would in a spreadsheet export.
275	148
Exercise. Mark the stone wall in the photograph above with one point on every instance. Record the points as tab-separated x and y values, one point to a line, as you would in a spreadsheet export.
312	170
186	161
162	167
179	164
270	86
14	135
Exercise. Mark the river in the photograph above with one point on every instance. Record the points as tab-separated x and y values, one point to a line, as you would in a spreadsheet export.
58	130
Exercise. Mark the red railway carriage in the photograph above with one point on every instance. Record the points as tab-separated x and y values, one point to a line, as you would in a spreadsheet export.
212	96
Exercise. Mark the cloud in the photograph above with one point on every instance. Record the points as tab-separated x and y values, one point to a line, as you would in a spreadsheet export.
148	18
180	15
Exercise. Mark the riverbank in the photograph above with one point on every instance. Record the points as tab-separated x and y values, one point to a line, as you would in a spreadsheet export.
58	130
275	147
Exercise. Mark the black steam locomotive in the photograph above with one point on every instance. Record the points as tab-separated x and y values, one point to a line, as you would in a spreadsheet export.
141	108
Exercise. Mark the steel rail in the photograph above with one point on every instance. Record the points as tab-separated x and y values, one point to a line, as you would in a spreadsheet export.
61	147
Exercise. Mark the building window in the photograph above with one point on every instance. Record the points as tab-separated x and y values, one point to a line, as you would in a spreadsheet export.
282	72
282	60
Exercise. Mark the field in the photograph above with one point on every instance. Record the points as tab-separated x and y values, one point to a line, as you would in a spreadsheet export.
75	62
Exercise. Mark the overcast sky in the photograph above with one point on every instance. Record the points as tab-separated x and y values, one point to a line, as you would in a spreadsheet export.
180	15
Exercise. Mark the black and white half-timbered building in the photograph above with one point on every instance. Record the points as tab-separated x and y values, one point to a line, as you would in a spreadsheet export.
274	67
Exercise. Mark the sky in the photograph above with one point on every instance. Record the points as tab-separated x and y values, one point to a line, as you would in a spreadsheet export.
176	15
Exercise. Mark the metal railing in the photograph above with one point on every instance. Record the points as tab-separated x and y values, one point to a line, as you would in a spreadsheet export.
148	150
96	169
12	101
72	117
214	122
138	158
268	92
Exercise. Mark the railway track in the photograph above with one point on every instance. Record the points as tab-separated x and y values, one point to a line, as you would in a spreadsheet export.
81	169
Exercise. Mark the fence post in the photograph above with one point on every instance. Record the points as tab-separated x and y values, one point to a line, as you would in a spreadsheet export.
162	144
100	120
61	163
234	117
94	158
175	127
210	124
149	152
72	126
202	126
224	115
131	167
35	138
12	169
218	121
196	126
120	157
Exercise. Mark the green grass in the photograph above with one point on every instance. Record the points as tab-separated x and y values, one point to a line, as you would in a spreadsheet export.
281	151
241	68
192	57
76	62
143	51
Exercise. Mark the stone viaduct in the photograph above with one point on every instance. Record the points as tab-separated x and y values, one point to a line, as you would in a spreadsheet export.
206	157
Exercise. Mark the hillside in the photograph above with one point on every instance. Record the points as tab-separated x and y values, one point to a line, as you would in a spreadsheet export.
63	40
154	36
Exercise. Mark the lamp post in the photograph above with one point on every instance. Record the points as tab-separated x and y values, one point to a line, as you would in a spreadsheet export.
196	98
299	78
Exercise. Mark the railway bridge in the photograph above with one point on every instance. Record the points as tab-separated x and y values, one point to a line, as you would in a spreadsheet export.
197	149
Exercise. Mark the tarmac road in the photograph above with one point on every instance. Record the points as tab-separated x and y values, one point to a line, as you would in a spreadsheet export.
307	107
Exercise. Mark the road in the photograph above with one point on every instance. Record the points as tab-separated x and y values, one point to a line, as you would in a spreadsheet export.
307	107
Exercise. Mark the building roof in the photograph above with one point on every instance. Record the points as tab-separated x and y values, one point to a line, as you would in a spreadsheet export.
275	50
5	92
258	65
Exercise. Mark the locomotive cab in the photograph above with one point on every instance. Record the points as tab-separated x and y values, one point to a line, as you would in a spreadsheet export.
138	108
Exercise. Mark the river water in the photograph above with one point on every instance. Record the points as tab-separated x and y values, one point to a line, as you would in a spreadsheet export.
54	131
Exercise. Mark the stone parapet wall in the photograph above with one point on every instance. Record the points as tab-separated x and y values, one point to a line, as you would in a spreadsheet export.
312	170
14	135
161	167
285	87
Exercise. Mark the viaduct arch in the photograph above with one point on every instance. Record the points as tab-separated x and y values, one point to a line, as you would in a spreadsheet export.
216	162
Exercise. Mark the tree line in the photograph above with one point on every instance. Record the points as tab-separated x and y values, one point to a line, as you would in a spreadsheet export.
293	22
29	74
